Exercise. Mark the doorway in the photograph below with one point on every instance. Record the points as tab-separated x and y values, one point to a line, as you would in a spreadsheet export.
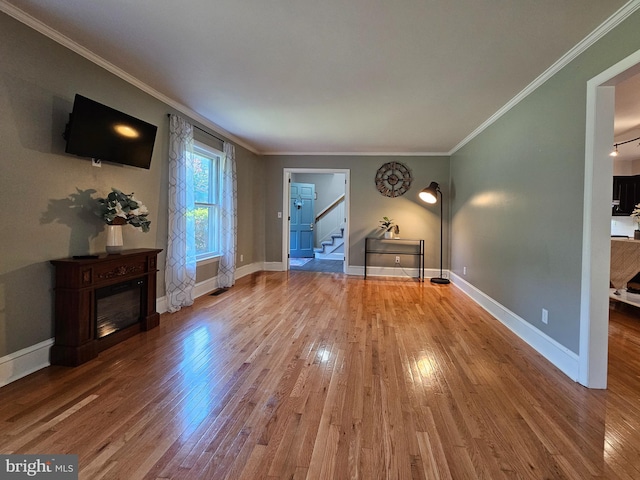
594	308
329	222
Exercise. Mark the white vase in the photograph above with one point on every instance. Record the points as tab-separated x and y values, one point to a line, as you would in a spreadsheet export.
388	234
114	239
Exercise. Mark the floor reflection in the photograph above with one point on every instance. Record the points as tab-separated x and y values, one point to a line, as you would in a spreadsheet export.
196	377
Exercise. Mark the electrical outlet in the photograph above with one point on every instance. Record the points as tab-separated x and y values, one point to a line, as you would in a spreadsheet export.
397	259
545	316
279	214
464	270
241	257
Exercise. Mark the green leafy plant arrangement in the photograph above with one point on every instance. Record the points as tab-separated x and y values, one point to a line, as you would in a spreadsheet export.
121	208
386	224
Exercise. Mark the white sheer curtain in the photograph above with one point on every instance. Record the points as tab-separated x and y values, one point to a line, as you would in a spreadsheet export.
180	268
228	220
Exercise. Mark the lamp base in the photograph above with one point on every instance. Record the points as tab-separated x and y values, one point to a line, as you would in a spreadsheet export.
440	280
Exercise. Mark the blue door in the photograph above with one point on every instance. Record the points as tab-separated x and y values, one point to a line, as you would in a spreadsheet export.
301	238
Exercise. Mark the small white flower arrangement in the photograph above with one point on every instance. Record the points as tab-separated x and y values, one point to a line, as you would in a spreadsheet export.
636	216
121	208
389	227
386	224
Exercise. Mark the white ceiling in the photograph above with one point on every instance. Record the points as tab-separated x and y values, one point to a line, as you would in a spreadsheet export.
303	76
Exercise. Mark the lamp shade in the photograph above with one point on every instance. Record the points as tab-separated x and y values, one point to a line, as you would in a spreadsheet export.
429	194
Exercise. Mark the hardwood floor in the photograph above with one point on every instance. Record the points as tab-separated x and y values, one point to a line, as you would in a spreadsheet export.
305	375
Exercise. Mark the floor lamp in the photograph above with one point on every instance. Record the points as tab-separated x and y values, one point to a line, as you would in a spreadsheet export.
430	195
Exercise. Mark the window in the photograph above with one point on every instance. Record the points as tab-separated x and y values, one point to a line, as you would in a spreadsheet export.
206	181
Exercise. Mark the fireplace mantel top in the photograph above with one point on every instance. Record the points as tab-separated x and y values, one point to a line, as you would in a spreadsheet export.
103	257
105	269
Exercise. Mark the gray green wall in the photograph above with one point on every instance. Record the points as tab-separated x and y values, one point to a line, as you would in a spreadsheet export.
42	189
367	205
517	196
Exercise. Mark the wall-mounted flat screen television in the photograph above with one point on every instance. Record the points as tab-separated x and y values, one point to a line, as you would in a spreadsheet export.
97	131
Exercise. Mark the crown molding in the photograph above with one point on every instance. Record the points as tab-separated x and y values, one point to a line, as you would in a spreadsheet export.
359	154
65	41
612	22
608	25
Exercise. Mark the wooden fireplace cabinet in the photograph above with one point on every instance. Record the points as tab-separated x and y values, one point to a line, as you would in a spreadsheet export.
76	282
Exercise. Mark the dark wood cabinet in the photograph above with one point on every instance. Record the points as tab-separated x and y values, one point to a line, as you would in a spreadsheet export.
80	283
626	194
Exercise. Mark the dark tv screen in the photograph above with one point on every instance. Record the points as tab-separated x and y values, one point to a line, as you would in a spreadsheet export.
101	132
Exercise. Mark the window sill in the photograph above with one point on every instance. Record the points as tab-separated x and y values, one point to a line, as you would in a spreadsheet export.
207	260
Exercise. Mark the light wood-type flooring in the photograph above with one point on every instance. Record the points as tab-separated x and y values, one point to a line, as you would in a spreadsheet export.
317	375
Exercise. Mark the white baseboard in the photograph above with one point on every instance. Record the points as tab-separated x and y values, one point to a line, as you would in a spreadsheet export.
161	304
273	266
398	272
205	287
199	290
245	270
24	362
354	270
210	285
560	356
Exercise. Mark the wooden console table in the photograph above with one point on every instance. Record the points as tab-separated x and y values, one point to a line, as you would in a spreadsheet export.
395	246
77	280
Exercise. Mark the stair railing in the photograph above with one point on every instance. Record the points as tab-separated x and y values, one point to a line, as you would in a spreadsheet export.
329	221
330	208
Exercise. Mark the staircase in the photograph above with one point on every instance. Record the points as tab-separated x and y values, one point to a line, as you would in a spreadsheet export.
332	249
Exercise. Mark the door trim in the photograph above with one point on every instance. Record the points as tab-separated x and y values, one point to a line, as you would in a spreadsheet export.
596	233
286	177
